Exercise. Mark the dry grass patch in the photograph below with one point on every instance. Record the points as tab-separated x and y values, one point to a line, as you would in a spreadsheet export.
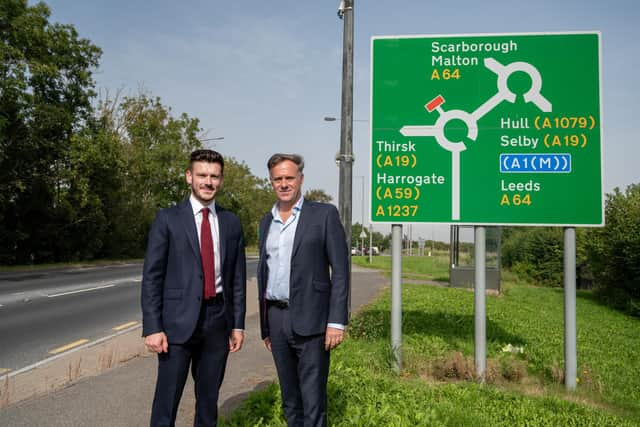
456	367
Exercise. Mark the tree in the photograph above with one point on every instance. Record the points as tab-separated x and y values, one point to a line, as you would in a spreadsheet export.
154	148
535	252
378	239
246	195
91	196
151	153
614	251
317	195
46	87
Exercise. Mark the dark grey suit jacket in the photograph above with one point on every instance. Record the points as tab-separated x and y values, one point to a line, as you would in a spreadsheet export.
319	280
172	284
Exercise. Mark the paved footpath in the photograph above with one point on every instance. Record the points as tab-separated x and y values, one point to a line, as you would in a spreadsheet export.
121	397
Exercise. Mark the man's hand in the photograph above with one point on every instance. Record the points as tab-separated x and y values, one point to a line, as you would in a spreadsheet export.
333	338
157	343
267	343
235	340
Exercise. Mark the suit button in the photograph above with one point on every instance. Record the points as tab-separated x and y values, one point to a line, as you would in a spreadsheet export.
199	298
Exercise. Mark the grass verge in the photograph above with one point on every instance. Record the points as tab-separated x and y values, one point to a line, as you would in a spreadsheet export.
437	386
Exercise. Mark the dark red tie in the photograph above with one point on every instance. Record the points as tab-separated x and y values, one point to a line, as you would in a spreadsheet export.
206	253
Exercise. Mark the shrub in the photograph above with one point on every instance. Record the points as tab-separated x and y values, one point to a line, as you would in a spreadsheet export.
614	251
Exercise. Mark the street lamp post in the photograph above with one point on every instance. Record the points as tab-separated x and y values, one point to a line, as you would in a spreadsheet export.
217	138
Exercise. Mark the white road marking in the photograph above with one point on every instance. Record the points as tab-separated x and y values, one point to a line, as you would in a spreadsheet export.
80	290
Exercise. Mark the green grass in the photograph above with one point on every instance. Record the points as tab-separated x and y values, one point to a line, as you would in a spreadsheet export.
414	267
437	327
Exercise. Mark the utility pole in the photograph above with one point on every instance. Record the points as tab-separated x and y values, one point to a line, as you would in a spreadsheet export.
345	157
346	123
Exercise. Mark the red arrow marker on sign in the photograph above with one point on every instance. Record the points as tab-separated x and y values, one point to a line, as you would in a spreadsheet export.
434	103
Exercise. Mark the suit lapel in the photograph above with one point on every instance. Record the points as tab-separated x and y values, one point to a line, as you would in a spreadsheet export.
301	228
264	231
222	232
189	223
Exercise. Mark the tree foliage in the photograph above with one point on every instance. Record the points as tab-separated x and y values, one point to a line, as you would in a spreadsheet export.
45	90
608	256
614	251
536	253
151	152
378	239
317	195
246	195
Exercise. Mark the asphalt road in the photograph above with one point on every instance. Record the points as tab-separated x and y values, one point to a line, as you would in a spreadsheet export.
48	312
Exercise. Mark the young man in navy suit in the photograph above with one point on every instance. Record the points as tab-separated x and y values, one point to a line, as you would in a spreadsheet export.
303	285
193	293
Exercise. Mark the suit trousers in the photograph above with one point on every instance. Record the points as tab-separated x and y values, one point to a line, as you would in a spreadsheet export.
303	370
206	351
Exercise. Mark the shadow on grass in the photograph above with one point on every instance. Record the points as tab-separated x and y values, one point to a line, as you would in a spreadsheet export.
260	407
617	300
376	324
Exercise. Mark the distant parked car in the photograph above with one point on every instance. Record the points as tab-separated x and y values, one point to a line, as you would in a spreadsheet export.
374	250
355	251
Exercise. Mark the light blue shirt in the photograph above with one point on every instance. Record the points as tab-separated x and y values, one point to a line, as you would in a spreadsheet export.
279	249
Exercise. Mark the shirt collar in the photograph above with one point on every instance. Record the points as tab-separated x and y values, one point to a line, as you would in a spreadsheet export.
296	208
196	206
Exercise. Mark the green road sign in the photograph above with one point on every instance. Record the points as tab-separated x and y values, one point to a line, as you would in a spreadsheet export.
487	129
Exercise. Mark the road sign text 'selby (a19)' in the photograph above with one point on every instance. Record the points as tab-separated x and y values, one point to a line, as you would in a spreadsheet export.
487	129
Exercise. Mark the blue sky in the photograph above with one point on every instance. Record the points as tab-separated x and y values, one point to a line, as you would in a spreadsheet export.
263	74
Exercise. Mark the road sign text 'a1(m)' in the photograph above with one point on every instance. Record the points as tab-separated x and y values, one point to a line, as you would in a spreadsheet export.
487	129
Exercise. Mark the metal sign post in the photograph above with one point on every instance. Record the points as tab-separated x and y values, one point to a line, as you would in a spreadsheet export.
396	296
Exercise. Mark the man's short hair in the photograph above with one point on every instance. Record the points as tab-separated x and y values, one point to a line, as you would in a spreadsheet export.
281	157
209	156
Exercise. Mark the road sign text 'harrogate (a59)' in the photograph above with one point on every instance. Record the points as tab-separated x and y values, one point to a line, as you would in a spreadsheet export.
500	129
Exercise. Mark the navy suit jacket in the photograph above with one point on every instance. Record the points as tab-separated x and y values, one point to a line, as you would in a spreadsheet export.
172	281
319	276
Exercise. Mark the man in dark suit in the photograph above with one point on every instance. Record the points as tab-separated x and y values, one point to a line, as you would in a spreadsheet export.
303	280
194	293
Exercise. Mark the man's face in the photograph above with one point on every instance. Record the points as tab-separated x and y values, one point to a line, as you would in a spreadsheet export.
205	180
286	181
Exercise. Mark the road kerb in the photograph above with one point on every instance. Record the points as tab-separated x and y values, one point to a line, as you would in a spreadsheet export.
63	369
